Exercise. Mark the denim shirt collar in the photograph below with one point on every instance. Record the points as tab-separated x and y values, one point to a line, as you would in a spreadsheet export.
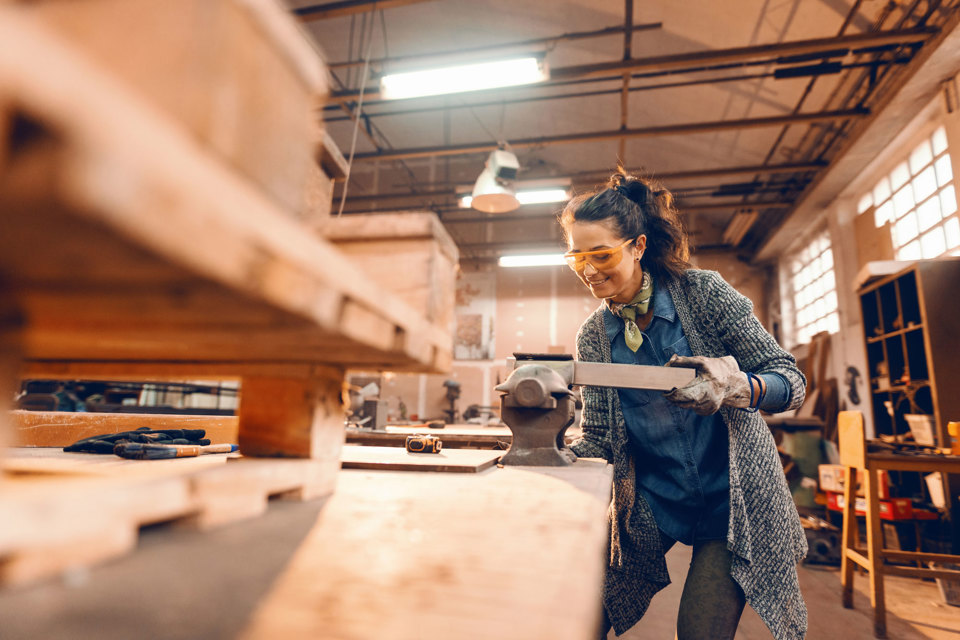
663	307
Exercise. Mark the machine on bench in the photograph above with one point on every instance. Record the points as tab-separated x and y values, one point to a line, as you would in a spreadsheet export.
538	404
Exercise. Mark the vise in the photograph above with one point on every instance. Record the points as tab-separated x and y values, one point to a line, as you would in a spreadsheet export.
538	405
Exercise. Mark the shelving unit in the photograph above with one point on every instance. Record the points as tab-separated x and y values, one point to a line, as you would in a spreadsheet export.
912	345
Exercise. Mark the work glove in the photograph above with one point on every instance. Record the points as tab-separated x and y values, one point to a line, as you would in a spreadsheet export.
718	383
104	443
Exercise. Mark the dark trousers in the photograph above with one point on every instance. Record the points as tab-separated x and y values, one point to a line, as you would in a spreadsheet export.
712	601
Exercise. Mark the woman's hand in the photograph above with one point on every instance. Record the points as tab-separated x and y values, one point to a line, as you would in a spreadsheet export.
719	382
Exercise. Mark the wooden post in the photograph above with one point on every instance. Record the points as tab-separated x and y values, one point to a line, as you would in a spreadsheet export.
294	417
874	551
849	535
10	355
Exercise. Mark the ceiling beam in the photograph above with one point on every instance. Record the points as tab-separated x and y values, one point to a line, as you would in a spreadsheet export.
692	208
740	54
595	136
499	48
837	46
347	8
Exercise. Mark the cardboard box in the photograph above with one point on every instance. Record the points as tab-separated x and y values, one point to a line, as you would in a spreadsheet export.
892	509
832	478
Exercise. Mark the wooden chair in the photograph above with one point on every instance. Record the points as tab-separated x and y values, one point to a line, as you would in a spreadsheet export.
854	457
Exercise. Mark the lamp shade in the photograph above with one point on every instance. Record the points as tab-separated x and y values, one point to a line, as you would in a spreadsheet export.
494	190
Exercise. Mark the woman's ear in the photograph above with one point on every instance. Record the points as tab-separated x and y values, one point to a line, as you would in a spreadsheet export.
639	246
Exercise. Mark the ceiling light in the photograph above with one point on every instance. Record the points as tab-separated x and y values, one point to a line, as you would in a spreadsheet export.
541	196
739	225
532	260
464	77
494	191
530	196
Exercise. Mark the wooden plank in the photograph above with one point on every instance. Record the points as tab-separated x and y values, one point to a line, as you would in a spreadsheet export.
332	162
601	374
473	556
244	48
60	428
292	417
396	459
66	510
66	222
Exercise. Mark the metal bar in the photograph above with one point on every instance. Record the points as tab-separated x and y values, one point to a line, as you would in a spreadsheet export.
347	8
798	47
625	88
678	62
535	42
594	136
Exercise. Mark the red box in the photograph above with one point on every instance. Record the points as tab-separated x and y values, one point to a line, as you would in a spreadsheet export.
832	477
891	509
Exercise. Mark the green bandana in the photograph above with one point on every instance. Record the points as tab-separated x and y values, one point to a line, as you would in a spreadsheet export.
630	310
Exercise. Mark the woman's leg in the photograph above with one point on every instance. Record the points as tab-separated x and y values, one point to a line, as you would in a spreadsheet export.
712	601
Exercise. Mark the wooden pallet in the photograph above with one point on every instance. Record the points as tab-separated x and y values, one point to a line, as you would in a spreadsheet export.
67	510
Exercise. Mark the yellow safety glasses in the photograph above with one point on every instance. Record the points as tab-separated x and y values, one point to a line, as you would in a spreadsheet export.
600	259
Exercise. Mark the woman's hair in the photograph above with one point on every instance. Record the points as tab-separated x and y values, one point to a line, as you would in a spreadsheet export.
637	206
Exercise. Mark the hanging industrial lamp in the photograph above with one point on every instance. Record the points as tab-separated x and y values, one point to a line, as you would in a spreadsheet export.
494	190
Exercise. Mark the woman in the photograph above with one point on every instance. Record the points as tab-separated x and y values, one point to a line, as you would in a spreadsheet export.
696	465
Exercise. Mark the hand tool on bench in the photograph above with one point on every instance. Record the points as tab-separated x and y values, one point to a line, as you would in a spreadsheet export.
146	451
538	404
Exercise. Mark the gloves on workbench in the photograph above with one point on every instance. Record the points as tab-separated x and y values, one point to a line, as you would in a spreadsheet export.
719	382
105	443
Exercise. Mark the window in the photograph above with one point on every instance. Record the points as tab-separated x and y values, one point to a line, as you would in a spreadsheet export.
918	199
814	289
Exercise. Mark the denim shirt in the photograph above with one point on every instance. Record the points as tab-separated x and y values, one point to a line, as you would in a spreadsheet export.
681	458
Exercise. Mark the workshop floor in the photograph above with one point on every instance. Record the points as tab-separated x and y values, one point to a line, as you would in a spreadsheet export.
915	609
180	584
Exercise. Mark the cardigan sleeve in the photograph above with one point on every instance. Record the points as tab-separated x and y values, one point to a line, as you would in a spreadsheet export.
595	442
746	340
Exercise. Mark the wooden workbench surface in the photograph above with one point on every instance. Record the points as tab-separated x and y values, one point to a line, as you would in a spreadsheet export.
514	552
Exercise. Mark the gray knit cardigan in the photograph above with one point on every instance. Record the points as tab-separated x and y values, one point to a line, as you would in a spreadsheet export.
764	534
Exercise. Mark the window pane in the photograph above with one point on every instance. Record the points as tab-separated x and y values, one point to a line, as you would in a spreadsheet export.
883	214
882	191
920	157
928	214
939	140
905	230
903	201
865	203
900	176
933	243
831	301
924	184
948	201
827	260
833	322
951	229
944	170
829	282
910	252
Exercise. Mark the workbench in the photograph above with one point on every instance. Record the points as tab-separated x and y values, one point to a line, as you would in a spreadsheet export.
512	552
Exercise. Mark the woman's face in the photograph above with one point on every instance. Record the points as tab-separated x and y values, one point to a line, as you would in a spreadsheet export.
620	282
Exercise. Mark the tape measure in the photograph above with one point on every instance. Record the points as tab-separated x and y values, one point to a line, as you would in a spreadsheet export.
423	444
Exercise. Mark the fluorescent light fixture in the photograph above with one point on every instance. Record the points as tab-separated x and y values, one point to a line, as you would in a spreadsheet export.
540	196
739	225
464	77
536	196
532	260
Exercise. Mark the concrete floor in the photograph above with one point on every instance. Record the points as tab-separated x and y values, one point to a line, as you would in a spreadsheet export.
181	584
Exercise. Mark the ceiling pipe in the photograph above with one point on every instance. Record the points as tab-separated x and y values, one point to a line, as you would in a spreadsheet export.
535	42
595	136
834	45
347	8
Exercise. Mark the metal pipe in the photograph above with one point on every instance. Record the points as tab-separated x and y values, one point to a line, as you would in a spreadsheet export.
594	136
535	42
347	8
699	58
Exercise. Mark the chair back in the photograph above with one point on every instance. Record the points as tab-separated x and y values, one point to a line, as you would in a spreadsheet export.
853	444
